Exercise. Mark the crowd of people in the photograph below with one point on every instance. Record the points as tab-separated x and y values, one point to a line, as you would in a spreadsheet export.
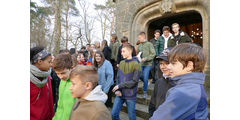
79	85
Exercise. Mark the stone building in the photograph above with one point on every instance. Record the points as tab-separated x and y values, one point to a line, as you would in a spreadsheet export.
134	16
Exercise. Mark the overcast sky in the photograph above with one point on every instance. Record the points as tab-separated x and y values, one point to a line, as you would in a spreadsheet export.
97	28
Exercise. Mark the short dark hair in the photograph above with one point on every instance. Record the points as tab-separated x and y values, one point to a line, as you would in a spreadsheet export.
85	74
142	33
36	50
88	44
166	28
186	52
63	61
157	30
72	51
124	39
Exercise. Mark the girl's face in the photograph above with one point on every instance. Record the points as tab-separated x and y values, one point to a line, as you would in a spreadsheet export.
94	52
45	64
82	57
98	58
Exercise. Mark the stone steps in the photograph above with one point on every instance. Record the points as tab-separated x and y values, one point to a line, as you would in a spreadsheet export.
142	104
140	109
124	115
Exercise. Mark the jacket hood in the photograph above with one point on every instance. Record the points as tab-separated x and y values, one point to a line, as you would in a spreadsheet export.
195	77
97	95
133	59
170	34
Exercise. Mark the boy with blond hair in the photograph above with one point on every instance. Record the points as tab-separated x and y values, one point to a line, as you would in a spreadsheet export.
90	97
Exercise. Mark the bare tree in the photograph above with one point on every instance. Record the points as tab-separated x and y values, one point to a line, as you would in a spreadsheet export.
76	37
87	20
106	17
69	9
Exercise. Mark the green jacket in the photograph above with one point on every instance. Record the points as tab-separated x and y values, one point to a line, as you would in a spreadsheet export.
183	38
114	49
148	52
65	101
159	45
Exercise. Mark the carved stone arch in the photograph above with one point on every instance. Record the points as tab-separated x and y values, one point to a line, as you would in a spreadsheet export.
145	15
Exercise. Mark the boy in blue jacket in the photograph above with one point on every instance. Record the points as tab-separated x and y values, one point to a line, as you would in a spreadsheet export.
127	82
187	99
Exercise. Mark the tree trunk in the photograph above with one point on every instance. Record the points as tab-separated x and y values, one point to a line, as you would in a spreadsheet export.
112	25
57	28
67	9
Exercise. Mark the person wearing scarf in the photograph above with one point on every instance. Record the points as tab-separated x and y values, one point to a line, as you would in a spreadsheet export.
41	100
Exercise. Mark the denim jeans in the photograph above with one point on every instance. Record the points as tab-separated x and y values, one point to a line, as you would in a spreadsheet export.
145	75
118	102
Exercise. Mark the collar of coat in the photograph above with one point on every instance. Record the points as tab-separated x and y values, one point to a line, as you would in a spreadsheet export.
181	34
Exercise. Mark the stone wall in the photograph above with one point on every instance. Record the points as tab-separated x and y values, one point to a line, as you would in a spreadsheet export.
134	16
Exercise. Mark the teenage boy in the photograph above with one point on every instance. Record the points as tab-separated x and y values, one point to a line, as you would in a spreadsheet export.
162	85
178	36
187	99
114	48
124	41
90	97
62	65
127	82
147	54
157	42
166	36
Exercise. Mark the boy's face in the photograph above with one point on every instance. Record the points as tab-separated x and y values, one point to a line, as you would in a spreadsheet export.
78	88
45	64
63	74
176	69
175	28
141	38
166	33
164	67
126	53
87	47
157	34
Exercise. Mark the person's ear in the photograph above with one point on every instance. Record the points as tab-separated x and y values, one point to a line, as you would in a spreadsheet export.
88	85
39	62
190	66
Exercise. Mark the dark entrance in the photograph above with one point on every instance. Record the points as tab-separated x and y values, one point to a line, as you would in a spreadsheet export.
190	22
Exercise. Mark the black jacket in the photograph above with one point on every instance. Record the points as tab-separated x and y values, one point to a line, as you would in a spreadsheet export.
55	81
159	93
120	57
107	53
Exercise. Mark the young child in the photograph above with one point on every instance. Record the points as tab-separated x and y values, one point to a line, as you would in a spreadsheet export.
90	97
127	82
187	99
81	59
41	99
162	85
62	65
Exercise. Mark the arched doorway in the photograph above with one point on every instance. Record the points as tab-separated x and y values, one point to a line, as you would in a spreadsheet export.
145	18
189	21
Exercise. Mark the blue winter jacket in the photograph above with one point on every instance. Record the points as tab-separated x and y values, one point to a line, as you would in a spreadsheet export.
185	101
105	76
